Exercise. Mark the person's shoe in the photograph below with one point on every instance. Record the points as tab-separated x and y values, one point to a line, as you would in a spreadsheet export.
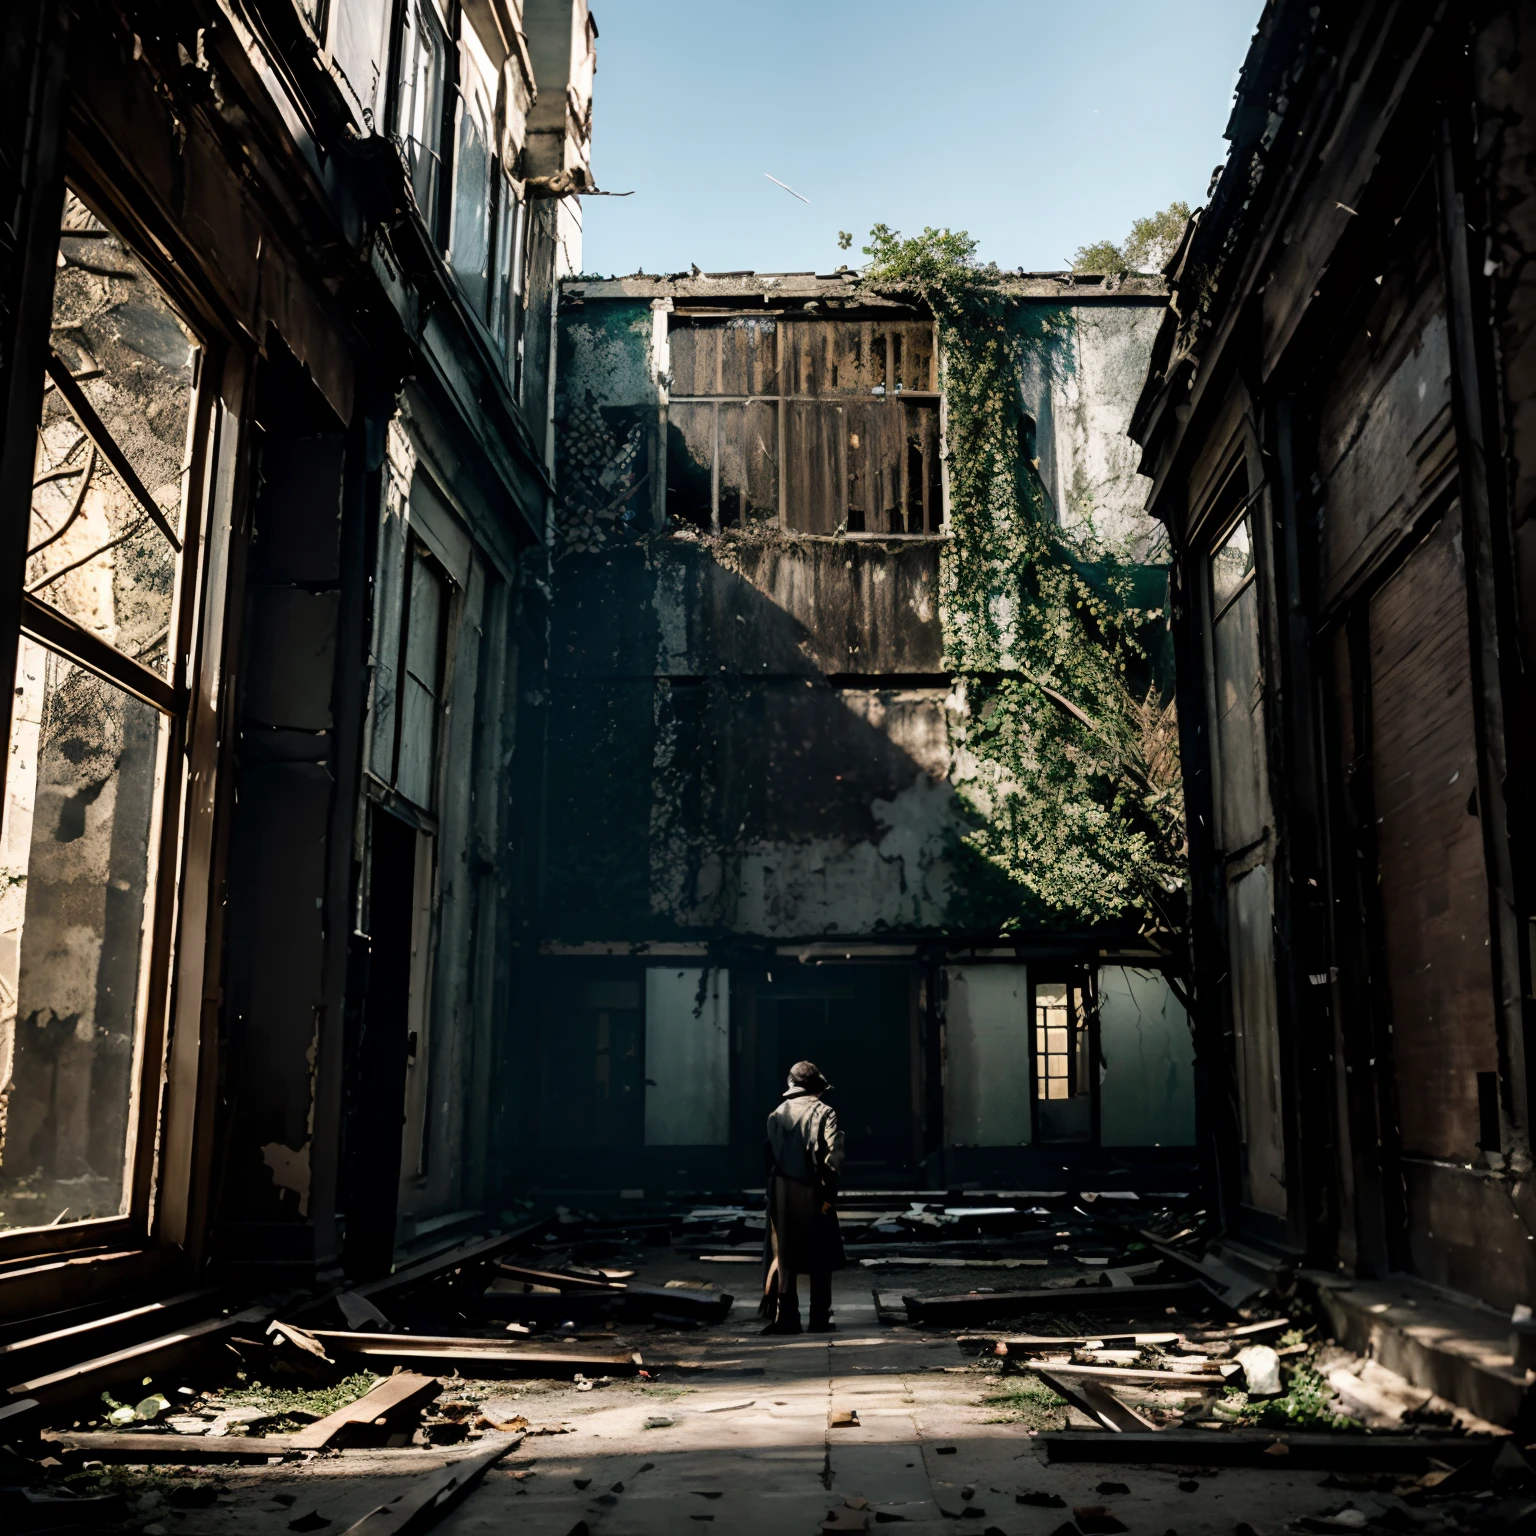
824	1327
783	1327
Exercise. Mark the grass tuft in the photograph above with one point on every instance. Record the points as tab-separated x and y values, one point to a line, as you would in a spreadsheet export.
1028	1401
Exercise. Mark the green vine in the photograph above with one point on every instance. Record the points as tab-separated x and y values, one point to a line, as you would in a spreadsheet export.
1066	753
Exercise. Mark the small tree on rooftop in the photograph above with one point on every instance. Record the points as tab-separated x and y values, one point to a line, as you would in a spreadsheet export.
1148	248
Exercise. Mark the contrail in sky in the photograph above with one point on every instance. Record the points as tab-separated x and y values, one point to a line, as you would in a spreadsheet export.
775	180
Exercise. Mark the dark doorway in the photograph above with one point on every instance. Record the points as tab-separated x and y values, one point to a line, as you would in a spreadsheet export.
858	1024
378	1048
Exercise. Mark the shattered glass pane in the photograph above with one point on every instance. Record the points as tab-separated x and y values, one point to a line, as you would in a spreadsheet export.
1232	563
93	551
76	872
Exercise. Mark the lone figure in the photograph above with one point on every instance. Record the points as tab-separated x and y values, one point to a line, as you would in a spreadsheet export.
803	1154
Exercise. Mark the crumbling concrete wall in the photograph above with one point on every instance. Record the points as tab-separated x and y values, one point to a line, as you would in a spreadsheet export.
1081	391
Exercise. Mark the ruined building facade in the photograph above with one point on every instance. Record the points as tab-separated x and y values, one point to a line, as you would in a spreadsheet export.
276	291
1337	427
751	842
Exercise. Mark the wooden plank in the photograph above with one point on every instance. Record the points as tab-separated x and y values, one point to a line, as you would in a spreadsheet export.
1302	1452
475	1354
146	1449
1242	1331
393	1397
138	1360
1044	1343
433	1496
31	1353
531	1276
1098	1402
54	1282
425	1270
959	1310
1202	1381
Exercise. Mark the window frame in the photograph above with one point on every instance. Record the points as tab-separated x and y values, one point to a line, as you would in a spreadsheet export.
464	93
1078	981
154	1081
405	49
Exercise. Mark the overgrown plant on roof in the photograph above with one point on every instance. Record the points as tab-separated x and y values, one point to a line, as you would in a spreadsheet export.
1065	753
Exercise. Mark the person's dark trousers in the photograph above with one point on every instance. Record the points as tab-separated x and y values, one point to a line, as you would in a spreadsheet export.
787	1315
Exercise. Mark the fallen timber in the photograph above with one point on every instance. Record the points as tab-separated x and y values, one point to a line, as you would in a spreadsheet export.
1310	1451
148	1448
1099	1403
481	1354
981	1307
432	1497
1046	1343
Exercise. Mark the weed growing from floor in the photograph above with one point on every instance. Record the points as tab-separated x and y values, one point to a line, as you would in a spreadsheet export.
1308	1404
1027	1401
319	1401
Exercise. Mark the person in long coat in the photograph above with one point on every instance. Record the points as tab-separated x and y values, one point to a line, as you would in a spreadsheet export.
803	1154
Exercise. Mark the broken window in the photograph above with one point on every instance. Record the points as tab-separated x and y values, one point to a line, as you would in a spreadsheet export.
1063	1062
96	711
823	426
422	90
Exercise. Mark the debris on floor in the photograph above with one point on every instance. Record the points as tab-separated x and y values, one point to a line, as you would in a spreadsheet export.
555	1368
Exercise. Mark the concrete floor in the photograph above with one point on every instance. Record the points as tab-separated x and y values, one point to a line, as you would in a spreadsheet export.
751	1451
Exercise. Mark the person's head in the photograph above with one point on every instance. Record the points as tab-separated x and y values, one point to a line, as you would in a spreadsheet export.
806	1075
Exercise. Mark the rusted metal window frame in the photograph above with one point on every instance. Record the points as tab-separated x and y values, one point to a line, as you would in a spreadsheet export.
154	1084
784	398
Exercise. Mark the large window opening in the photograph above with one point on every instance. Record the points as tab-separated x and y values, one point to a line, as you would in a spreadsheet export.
96	713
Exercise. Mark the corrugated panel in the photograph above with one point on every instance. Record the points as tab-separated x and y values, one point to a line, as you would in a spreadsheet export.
1432	877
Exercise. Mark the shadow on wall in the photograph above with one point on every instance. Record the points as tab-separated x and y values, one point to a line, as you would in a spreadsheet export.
749	738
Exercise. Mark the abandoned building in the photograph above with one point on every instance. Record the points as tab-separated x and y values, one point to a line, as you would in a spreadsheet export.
1336	425
477	723
754	744
277	299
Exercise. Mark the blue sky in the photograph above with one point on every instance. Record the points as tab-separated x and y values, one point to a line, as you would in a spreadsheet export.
1038	127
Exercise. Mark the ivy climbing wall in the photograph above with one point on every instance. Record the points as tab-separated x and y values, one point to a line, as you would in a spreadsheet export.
773	733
